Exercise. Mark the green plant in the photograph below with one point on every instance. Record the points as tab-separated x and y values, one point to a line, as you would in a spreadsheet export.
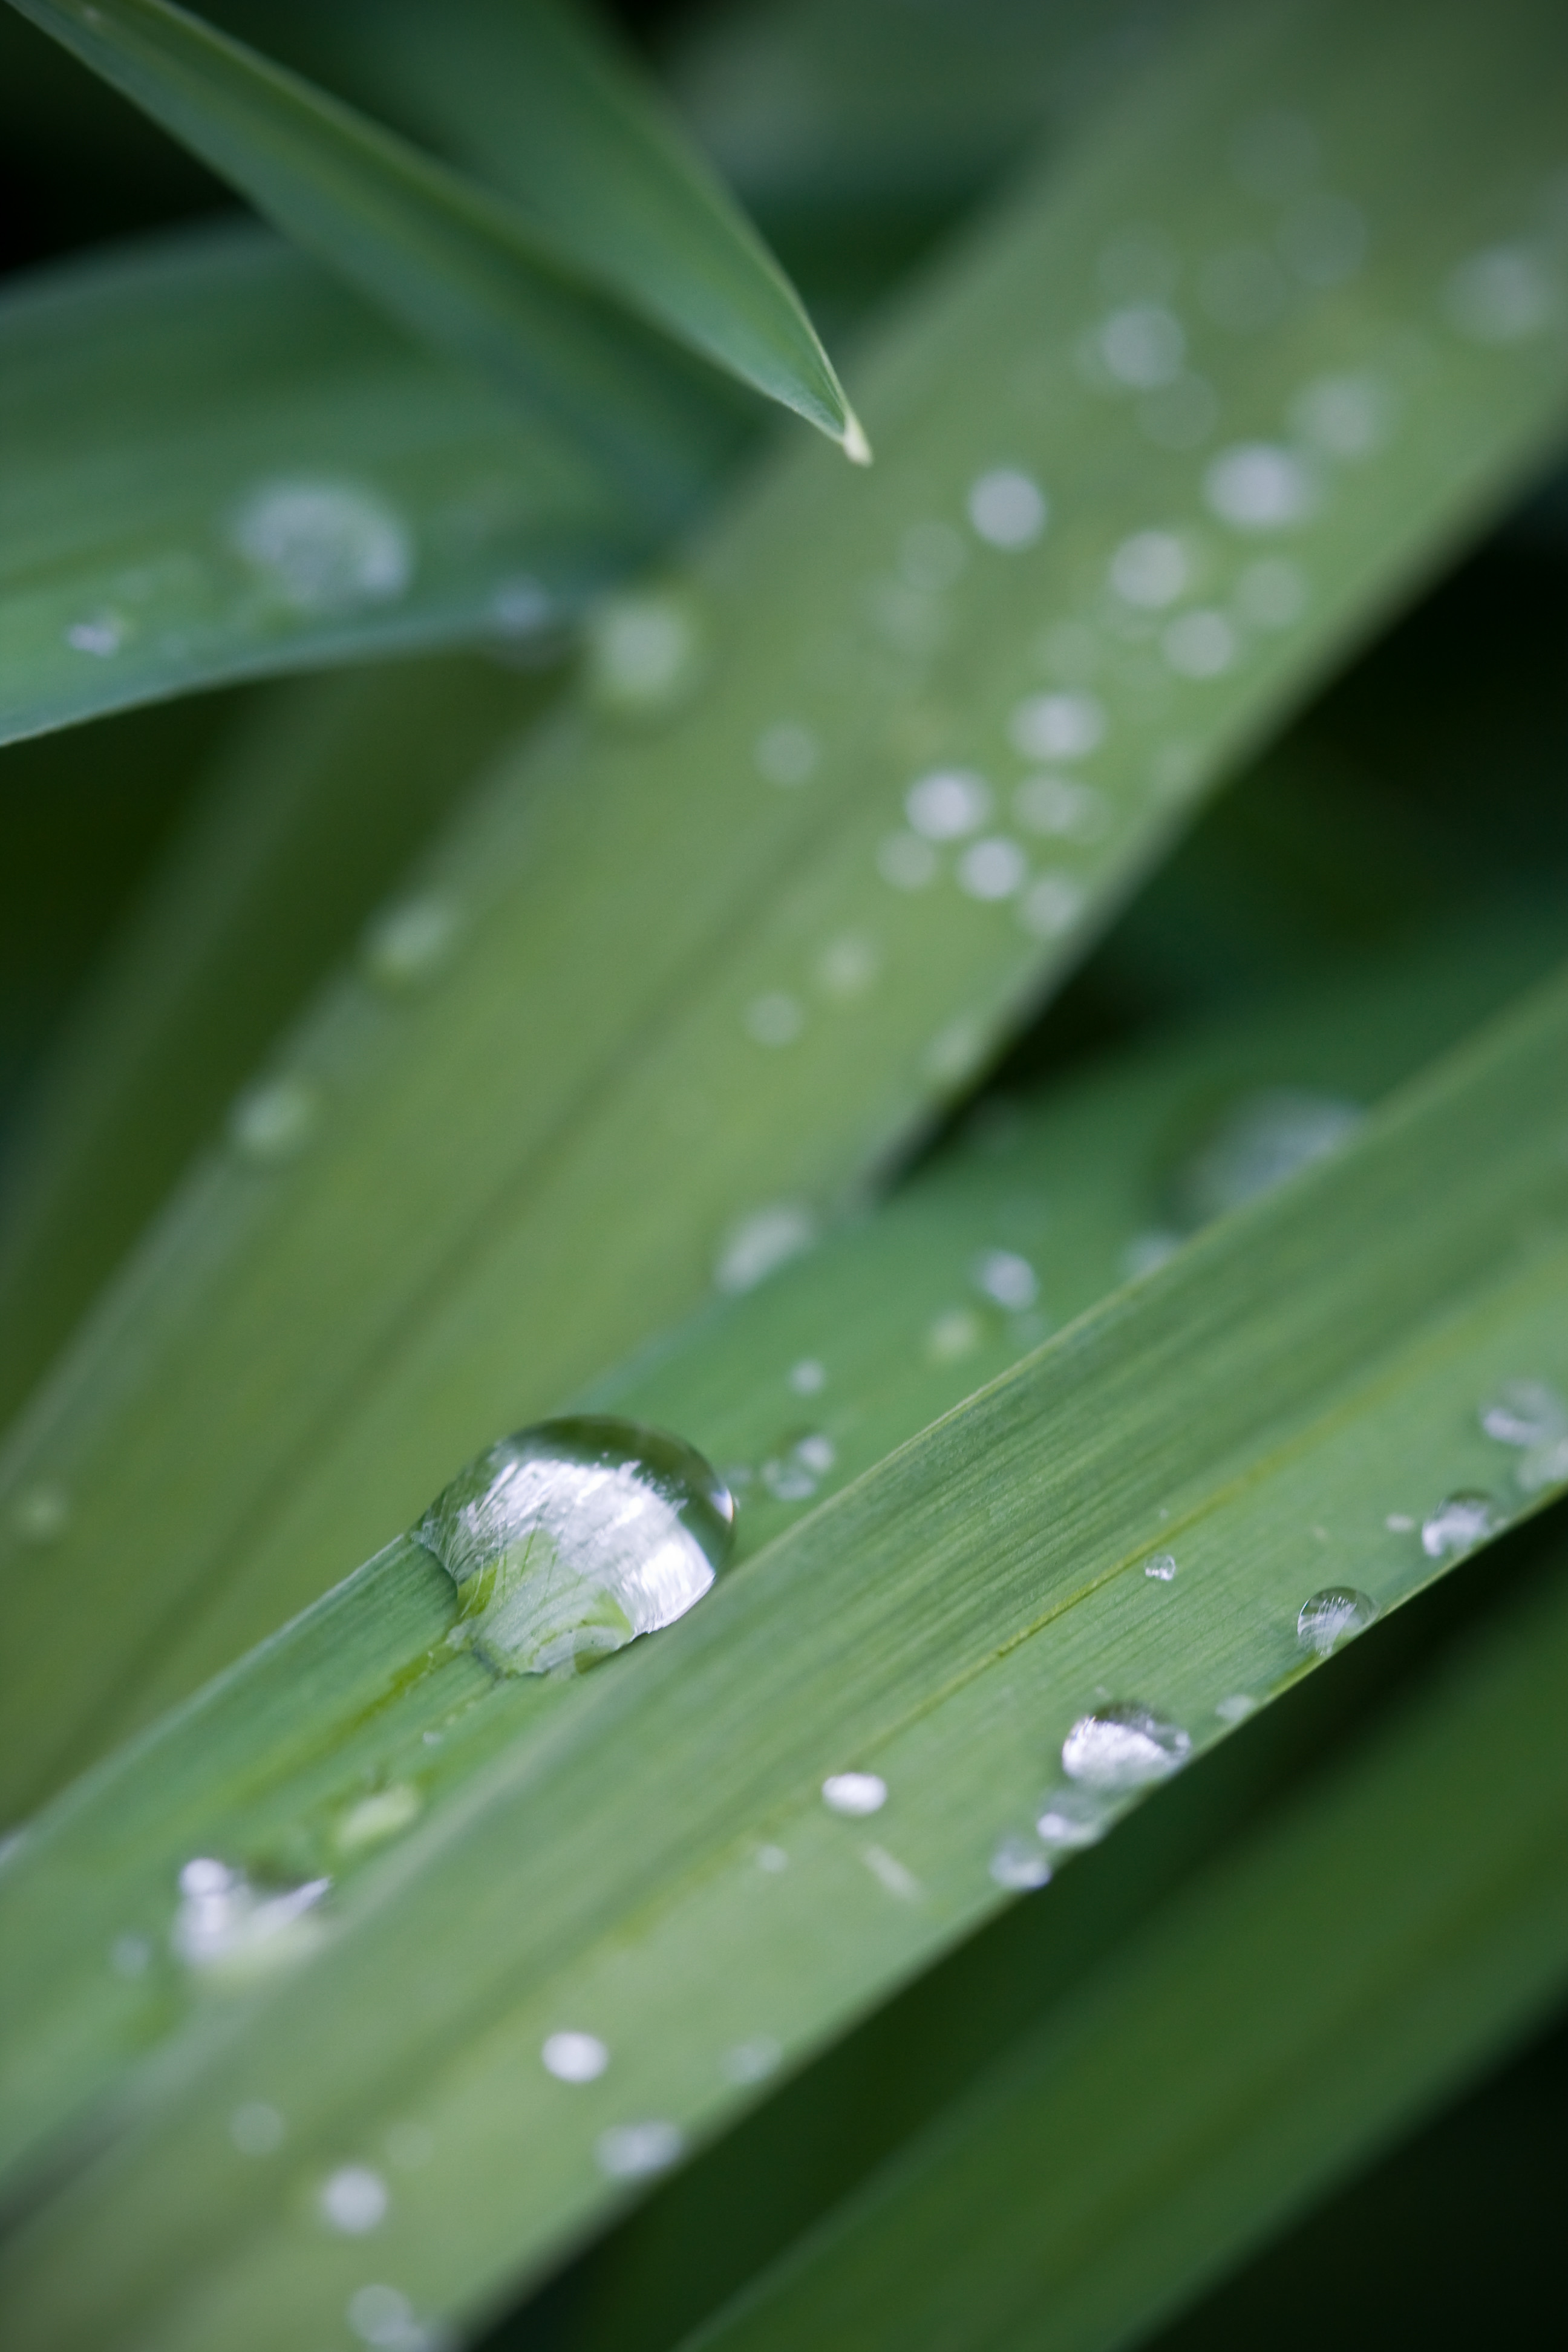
628	1035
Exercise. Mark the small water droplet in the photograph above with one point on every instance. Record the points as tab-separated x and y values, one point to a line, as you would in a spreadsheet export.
102	635
1259	1141
628	2150
952	1334
1141	345
1271	594
574	2057
521	608
1256	486
227	1929
380	2316
1505	295
1334	1616
1061	806
40	1515
409	944
570	1539
774	1019
1146	1253
1540	1466
1149	570
854	1793
890	1874
1056	726
1007	509
1072	1817
773	1859
256	2128
272	1123
807	1377
1007	1278
1162	1568
324	547
1237	1707
382	1815
354	2200
1460	1523
948	804
1050	906
759	1244
1345	416
1123	1746
906	861
645	653
1200	644
787	754
1525	1413
1020	1863
992	869
752	2062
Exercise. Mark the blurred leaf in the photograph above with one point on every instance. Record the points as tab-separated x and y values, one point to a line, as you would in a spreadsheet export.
1251	1411
697	1001
614	200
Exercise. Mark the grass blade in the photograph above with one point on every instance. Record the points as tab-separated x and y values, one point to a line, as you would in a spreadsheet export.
545	1195
980	1585
466	268
218	464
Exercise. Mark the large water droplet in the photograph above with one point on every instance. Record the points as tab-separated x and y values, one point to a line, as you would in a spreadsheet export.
225	1926
1123	1746
1525	1413
1459	1522
1338	1614
569	1539
324	547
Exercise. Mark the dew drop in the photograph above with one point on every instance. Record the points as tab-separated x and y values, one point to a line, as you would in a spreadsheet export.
952	1334
846	967
754	2061
1345	416
256	2128
1123	1746
1056	726
853	1794
1007	1278
1162	1568
1334	1616
1525	1413
354	2200
1141	345
1501	295
1258	1143
773	1859
1007	509
1200	644
993	869
1237	1707
1460	1523
890	1874
409	943
1149	570
574	2057
1257	485
324	547
1050	906
1061	806
645	653
1019	1863
569	1539
521	608
1071	1818
759	1244
102	635
1543	1466
382	1815
627	2151
807	1377
380	2316
787	754
40	1515
227	1929
273	1123
948	805
1147	1252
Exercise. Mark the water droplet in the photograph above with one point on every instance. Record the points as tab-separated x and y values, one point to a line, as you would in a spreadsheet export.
794	1479
1141	345
1460	1523
1525	1413
1163	1567
1007	509
1258	1143
906	861
1146	1253
854	1793
774	1019
1056	726
787	754
40	1515
890	1874
131	1956
1050	906
1271	594
567	1541
272	1123
957	1051
752	2062
1060	806
1256	486
1071	1818
1275	154
1346	417
1149	570
574	2057
1335	1615
645	653
1540	1466
227	1928
773	1859
628	2150
993	869
354	2200
1237	1707
1019	1863
1503	295
1200	644
1123	1746
1322	240
846	967
102	635
952	1334
1007	1278
521	608
256	2128
324	547
380	1816
409	943
380	2316
759	1244
1243	288
807	1377
933	557
948	804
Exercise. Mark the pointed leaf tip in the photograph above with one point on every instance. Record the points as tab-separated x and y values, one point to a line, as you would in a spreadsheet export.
853	441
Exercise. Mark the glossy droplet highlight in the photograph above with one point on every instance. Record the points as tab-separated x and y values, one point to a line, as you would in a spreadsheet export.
1525	1413
1057	726
225	1926
1020	1863
645	653
1007	509
1335	1615
409	944
568	1540
1149	570
354	2200
1072	1817
1257	1144
1162	1568
948	804
853	1794
1257	485
574	2057
1123	1746
1007	1279
324	547
762	1243
752	2062
273	1123
628	2151
1459	1522
1504	295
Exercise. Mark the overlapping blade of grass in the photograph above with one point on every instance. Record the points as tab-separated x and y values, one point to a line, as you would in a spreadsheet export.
909	1333
613	205
1282	1407
1312	1993
315	801
218	463
712	972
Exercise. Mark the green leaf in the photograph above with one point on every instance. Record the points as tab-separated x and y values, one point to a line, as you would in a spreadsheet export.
655	1055
616	200
1282	1407
218	464
304	820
